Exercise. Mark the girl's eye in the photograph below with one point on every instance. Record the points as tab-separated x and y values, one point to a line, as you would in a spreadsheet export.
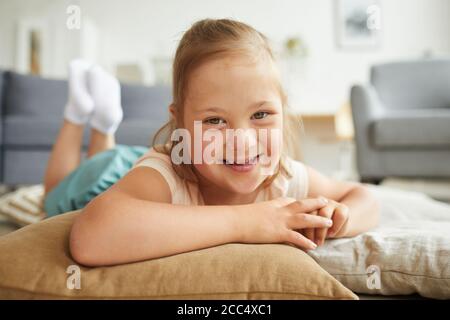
214	121
260	115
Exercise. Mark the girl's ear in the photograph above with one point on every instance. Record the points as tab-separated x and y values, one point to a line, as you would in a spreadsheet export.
173	111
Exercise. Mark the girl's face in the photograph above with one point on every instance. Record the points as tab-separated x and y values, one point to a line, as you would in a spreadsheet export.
235	93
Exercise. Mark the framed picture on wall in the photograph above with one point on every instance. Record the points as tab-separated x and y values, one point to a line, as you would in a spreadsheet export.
31	46
358	24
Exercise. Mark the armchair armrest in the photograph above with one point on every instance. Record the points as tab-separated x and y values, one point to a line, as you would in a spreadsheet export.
366	109
366	105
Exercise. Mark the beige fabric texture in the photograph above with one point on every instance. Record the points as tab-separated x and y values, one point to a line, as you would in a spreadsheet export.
34	261
409	250
24	206
187	193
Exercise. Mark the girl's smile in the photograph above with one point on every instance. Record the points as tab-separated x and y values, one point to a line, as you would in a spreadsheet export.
247	165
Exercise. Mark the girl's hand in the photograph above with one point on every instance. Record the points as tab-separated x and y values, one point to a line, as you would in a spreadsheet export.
277	220
336	211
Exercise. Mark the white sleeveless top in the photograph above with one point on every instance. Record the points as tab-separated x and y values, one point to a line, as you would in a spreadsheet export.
187	193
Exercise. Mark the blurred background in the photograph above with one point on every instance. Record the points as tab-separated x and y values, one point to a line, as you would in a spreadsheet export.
324	48
136	39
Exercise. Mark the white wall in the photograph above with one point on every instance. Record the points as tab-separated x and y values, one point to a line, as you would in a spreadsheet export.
136	30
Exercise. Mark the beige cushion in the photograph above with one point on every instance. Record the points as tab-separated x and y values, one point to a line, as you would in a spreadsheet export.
34	260
408	253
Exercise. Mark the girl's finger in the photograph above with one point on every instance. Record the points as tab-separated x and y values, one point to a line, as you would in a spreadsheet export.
299	240
308	205
306	220
321	233
309	232
340	217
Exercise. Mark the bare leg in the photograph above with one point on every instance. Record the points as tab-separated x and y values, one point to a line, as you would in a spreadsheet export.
99	142
66	152
65	155
83	99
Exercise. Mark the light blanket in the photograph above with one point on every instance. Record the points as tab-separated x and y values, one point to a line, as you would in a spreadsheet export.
409	252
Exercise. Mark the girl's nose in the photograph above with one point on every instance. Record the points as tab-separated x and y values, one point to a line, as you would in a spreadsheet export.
244	142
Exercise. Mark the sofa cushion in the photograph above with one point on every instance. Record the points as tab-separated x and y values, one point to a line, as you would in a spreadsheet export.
2	105
138	132
148	102
424	128
2	91
28	95
34	131
31	95
36	264
41	132
413	84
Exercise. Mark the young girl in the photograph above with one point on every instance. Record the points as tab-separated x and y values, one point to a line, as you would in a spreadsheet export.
224	77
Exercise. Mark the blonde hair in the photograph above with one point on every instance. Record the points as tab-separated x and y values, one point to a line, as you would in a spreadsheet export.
206	40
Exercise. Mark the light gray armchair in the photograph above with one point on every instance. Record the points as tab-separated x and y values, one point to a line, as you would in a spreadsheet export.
402	120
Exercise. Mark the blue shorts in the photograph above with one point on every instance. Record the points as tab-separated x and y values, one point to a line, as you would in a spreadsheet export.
91	178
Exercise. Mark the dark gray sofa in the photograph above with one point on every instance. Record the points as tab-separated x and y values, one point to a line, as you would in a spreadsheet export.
32	112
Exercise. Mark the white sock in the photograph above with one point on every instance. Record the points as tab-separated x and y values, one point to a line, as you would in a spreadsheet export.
105	91
80	104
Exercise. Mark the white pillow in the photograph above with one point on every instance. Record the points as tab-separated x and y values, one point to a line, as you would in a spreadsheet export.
408	253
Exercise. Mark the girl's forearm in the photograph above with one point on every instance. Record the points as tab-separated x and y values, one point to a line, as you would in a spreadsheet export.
128	229
363	212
